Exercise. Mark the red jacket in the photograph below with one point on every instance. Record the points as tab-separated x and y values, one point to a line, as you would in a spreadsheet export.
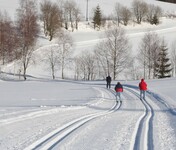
119	88
142	85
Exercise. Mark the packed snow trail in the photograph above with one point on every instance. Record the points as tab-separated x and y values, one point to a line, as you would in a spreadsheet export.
101	122
144	128
144	136
140	127
53	138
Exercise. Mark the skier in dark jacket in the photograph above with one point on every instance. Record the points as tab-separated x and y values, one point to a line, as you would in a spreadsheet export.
108	82
119	90
143	88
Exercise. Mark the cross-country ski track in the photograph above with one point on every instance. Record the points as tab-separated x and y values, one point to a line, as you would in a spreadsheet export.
142	136
52	139
133	117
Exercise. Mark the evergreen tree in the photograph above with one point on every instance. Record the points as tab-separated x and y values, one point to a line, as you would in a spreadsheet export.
155	20
97	17
163	65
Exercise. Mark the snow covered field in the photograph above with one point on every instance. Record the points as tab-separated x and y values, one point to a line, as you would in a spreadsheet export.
69	115
41	113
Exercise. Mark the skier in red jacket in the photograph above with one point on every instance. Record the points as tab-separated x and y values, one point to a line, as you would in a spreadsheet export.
118	89
143	88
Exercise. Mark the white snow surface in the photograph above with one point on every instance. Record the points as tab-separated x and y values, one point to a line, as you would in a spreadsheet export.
61	114
41	113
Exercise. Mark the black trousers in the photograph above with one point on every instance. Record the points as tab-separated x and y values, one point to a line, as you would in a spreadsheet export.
108	85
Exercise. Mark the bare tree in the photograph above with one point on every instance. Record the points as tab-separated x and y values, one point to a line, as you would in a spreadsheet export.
78	72
125	14
8	39
28	29
148	53
65	44
60	4
45	8
69	5
153	14
4	27
142	57
113	51
150	13
102	55
90	65
77	16
173	58
117	12
132	72
51	17
85	66
155	46
71	14
52	59
139	9
122	14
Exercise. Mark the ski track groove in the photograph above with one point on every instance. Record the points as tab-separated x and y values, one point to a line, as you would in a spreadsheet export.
143	134
55	137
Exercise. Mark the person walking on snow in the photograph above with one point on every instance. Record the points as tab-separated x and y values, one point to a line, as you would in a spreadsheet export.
119	90
108	82
143	88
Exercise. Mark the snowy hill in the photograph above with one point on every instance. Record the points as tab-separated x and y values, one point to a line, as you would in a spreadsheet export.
135	33
166	30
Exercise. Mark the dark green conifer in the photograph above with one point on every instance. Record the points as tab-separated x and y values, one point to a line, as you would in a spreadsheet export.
155	20
97	17
163	65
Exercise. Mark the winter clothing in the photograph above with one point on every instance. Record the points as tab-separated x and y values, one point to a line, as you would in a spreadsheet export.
108	82
119	89
143	88
143	85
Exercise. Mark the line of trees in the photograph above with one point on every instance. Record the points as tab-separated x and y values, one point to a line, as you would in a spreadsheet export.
58	56
139	11
111	56
28	29
153	57
18	40
8	39
57	15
